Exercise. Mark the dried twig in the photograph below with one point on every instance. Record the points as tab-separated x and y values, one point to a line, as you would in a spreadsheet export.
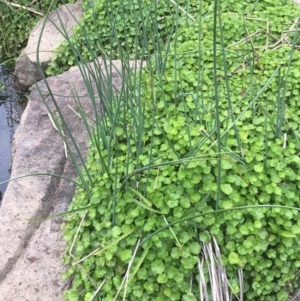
182	9
10	4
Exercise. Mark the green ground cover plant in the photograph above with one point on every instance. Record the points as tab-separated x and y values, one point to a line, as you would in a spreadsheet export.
17	18
202	143
110	26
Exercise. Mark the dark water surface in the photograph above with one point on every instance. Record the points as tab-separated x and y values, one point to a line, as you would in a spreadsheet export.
12	104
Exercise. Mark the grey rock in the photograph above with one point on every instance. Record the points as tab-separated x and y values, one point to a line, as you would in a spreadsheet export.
30	252
51	31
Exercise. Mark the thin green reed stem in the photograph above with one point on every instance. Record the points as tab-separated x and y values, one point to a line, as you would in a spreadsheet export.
132	102
279	109
199	93
181	97
266	140
89	76
226	78
125	103
35	174
296	135
251	53
77	168
160	75
281	116
157	58
216	99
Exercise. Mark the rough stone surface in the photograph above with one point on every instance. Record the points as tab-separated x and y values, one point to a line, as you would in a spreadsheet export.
30	252
26	70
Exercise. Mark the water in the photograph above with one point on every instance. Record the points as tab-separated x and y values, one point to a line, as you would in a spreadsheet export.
12	104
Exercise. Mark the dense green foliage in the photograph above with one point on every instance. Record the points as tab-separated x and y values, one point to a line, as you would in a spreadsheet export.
186	143
17	19
111	26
